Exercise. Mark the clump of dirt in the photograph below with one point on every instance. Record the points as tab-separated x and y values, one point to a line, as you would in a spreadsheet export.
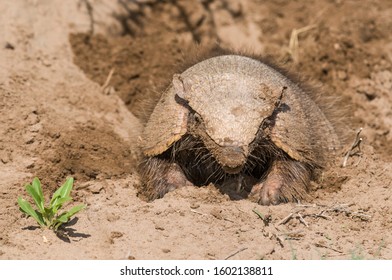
140	71
63	114
88	153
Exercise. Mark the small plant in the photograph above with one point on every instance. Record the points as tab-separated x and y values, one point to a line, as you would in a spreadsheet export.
47	216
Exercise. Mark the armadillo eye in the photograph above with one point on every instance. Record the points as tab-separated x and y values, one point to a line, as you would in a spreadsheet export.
198	117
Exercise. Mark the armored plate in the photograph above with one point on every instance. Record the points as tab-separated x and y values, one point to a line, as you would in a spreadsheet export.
233	95
302	130
167	123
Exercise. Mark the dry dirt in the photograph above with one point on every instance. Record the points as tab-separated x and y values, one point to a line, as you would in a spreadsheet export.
59	119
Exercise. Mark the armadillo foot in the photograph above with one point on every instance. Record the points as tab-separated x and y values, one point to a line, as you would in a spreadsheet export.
287	181
160	177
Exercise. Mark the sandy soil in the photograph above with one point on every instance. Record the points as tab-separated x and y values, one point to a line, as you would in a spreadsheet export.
59	118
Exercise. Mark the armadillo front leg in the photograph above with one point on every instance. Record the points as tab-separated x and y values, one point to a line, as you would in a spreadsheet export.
159	177
287	180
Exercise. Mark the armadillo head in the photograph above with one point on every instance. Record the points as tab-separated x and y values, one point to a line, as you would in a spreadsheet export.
230	97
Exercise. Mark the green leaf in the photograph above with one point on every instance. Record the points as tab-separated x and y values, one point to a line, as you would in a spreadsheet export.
59	203
65	216
37	198
258	214
26	208
48	216
63	191
37	187
75	210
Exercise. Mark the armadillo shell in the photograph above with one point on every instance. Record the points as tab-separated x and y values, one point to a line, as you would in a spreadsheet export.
299	126
166	125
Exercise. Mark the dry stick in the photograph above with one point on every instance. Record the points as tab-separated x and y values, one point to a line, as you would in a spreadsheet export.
293	235
202	214
342	206
318	215
356	143
293	44
302	219
284	220
227	219
276	236
321	215
337	255
280	240
235	253
362	216
327	247
341	209
307	205
288	217
105	85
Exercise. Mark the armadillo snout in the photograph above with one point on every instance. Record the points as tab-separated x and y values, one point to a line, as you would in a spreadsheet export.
233	159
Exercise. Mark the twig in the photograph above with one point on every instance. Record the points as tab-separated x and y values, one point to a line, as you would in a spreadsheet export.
284	220
302	219
239	209
105	85
362	216
293	44
356	143
307	205
235	253
341	209
337	255
301	214
327	247
202	214
227	219
318	215
293	235
278	238
321	215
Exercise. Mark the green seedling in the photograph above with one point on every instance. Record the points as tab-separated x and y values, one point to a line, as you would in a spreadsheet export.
48	216
266	218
